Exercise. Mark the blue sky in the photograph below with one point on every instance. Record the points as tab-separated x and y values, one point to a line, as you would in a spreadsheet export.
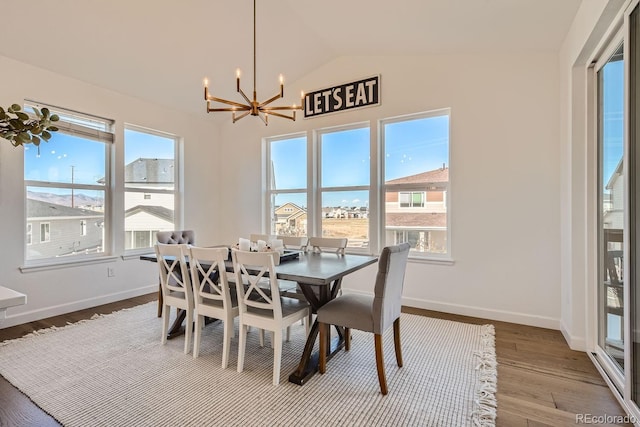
64	153
411	147
613	125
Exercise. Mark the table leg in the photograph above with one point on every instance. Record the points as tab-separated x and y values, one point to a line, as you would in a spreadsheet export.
308	365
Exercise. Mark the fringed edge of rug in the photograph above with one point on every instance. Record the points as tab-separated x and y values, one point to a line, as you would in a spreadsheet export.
51	329
484	415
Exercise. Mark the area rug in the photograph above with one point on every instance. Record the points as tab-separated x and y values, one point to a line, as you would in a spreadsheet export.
113	371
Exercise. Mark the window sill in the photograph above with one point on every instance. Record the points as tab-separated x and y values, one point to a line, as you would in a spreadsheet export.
51	265
426	260
135	254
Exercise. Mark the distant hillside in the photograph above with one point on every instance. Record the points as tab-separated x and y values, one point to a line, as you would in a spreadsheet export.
79	199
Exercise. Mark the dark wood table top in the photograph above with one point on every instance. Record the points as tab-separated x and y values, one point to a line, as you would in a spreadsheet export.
312	268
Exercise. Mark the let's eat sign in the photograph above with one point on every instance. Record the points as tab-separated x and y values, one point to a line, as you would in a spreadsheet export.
361	93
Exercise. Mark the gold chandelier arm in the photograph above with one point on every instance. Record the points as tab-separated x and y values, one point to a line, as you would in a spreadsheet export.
244	96
286	108
236	118
284	116
270	100
228	109
225	101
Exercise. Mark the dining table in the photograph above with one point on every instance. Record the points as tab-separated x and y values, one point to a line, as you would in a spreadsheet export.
319	277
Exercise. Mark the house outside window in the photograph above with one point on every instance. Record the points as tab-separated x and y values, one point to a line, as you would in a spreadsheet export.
150	185
66	182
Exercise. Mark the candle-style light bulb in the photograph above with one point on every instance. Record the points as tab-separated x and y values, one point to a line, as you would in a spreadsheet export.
237	79
281	86
206	88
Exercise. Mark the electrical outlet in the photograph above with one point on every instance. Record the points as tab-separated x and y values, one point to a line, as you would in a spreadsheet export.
110	272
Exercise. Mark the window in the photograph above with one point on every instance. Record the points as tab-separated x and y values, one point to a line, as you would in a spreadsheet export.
83	227
29	233
66	182
416	177
45	235
415	199
411	189
344	191
287	189
150	185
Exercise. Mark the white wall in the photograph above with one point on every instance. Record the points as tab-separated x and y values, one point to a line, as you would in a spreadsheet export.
504	176
62	290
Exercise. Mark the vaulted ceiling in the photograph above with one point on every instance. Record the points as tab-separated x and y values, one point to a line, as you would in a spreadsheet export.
161	50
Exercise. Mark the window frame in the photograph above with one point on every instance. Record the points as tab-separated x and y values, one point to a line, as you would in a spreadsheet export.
176	192
377	188
89	127
446	257
319	189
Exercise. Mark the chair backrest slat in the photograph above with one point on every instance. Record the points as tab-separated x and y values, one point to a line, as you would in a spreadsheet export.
174	275
322	244
208	274
252	270
295	242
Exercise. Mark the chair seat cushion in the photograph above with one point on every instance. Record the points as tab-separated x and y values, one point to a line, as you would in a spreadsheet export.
289	306
350	310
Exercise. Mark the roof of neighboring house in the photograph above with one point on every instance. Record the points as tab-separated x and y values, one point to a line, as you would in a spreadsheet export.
436	175
291	205
40	209
422	220
158	211
148	171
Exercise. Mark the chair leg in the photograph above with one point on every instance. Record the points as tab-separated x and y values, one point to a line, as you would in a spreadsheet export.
166	312
277	355
197	336
188	331
396	341
322	363
242	343
380	364
261	337
226	344
347	339
288	333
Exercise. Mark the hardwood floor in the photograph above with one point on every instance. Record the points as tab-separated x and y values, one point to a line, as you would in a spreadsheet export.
541	382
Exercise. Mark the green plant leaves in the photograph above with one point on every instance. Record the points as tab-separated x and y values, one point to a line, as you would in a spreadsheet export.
19	128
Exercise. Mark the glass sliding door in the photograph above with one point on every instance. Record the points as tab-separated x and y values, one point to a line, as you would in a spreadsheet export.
611	204
634	182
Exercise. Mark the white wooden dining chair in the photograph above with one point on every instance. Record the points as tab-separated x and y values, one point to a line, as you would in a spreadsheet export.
261	309
176	287
212	295
295	242
328	244
370	313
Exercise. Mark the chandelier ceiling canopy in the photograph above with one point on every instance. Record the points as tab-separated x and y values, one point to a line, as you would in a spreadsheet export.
252	106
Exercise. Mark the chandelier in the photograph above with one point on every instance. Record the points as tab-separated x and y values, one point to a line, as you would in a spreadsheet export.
252	106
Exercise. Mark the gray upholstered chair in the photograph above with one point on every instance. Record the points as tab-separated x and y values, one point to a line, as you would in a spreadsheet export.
370	313
180	237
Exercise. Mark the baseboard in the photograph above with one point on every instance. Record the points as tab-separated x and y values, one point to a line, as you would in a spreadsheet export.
578	344
43	313
464	310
